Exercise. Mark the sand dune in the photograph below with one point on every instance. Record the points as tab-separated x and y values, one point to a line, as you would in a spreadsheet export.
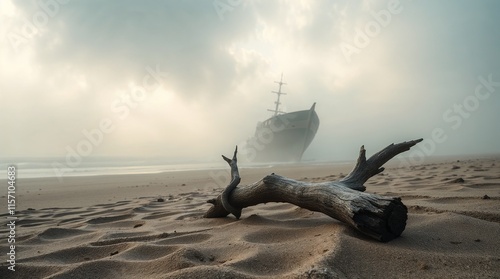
452	231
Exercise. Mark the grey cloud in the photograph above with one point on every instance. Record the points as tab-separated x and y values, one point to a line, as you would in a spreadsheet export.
423	63
118	39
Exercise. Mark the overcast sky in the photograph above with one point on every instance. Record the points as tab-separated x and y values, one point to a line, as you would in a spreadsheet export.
190	79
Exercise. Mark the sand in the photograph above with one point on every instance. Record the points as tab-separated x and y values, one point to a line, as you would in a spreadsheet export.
151	226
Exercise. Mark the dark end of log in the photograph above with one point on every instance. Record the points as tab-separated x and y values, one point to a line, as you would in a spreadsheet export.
386	225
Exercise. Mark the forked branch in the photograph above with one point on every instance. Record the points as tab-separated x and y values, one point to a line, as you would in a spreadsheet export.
365	169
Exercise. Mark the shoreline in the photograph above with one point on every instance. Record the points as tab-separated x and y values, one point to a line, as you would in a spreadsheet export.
111	168
96	189
44	192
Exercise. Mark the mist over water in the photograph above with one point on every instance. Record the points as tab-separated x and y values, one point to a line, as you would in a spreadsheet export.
44	167
36	167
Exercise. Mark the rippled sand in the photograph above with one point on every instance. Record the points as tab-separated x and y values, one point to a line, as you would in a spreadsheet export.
151	226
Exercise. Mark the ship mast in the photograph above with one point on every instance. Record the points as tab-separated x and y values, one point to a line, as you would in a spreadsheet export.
279	93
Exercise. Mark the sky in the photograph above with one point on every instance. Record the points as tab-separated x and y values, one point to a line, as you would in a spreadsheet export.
188	80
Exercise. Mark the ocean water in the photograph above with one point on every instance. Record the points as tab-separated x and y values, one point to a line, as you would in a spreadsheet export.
59	167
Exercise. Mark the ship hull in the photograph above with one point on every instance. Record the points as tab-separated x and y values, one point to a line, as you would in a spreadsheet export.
283	138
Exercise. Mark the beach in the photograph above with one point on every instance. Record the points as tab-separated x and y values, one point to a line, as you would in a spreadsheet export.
152	226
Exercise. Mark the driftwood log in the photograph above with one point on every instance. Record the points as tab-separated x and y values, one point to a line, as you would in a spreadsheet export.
382	218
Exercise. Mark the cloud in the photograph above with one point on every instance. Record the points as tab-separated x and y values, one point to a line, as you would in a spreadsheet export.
89	55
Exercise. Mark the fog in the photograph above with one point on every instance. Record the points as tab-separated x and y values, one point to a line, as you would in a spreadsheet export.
188	80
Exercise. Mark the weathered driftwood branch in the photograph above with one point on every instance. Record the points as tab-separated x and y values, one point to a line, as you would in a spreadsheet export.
383	218
235	180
